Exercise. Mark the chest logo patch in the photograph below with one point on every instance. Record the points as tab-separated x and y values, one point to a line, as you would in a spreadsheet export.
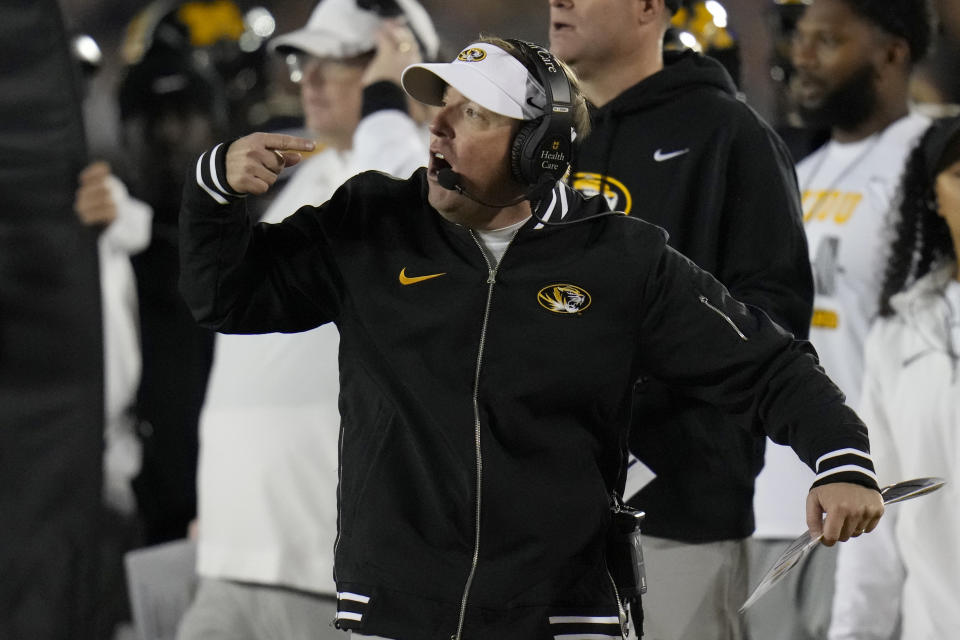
613	191
565	299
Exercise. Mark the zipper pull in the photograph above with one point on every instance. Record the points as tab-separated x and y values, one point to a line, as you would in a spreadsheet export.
492	276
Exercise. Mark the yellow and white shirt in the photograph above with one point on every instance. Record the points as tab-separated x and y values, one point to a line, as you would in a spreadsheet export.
847	192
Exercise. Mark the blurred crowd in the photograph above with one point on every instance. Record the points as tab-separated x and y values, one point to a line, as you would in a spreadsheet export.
164	81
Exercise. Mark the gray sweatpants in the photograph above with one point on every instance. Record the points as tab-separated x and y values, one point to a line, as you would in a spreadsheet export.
225	610
797	607
694	590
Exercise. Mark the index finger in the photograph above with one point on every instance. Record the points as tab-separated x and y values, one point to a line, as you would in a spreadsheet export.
815	514
833	526
283	142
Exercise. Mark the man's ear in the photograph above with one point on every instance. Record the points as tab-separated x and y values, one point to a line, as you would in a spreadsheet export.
648	11
896	52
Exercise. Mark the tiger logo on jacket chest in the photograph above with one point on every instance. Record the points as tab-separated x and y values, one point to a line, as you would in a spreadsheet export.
563	298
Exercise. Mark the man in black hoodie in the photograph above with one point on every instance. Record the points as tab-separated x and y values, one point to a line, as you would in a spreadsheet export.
673	144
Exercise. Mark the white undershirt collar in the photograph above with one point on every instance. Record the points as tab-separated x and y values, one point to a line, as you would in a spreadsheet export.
496	241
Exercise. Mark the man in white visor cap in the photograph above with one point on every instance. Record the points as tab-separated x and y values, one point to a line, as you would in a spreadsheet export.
492	323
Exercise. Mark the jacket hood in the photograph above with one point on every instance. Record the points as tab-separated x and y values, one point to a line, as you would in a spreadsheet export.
924	291
688	71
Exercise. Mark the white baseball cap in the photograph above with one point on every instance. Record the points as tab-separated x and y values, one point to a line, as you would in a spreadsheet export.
342	29
484	73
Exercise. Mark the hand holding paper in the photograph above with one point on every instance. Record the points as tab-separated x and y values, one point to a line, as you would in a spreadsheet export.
800	547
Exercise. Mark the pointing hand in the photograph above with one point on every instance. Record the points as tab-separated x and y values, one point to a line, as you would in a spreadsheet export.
255	161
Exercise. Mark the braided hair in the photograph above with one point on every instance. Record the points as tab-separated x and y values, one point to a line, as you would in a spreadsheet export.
921	238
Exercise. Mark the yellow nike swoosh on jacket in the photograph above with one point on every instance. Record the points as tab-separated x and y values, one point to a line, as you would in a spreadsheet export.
405	279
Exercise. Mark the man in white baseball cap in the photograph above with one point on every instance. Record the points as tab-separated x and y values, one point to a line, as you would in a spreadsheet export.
334	56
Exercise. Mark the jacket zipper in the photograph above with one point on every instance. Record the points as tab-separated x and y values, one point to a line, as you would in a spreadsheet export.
491	280
621	612
704	300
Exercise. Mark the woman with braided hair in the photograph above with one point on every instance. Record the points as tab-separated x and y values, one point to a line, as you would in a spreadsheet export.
911	400
924	236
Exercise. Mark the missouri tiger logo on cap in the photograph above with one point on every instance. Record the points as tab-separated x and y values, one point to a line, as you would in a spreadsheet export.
563	298
473	54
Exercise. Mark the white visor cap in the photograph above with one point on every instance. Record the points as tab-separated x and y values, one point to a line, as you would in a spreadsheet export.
485	74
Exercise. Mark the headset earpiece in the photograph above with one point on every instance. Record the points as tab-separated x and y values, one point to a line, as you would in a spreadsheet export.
521	170
541	149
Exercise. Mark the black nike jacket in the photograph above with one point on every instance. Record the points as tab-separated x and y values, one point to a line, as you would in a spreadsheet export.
484	410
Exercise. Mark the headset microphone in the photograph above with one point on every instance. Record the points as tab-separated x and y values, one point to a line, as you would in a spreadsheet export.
450	179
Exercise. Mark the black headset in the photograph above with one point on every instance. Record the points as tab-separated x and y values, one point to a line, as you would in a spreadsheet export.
541	150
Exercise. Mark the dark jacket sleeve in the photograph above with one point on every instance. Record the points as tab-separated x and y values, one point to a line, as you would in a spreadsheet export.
267	278
696	336
765	258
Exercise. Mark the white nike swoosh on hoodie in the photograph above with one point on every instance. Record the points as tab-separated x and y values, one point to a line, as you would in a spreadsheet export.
660	156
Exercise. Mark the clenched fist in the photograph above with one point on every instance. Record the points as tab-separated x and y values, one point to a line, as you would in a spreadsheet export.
851	510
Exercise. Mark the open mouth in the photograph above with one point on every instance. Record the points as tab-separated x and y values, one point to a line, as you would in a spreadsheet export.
560	26
437	162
